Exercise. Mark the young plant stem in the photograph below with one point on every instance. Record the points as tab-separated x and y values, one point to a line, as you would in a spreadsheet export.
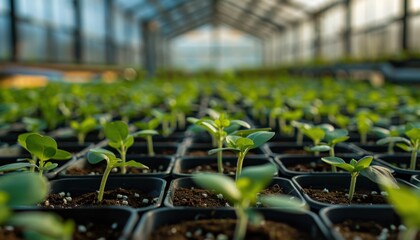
103	182
282	125
409	234
391	148
220	156
363	138
352	185
123	154
241	157
34	161
181	120
41	166
150	146
299	138
242	222
414	156
332	154
80	138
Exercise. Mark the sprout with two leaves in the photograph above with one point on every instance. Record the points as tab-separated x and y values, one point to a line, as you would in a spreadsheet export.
406	202
243	192
147	132
97	155
316	134
42	150
412	144
83	128
389	136
253	138
363	167
218	129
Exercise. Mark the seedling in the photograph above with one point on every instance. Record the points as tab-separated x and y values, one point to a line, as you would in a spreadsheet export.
148	130
119	138
364	123
216	128
300	126
412	144
27	189
243	192
361	166
34	124
97	155
316	134
242	145
42	149
389	137
332	138
406	202
83	128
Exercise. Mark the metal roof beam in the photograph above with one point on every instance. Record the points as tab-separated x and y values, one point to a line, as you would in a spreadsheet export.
178	22
186	28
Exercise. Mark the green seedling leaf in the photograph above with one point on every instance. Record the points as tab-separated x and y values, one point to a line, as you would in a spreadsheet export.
129	141
35	188
116	131
387	140
49	166
240	123
246	132
338	162
315	133
220	184
62	155
16	166
244	143
364	162
96	155
43	223
43	147
5	211
404	147
22	139
284	203
319	148
145	133
381	132
413	134
254	179
260	138
216	150
209	125
132	163
326	127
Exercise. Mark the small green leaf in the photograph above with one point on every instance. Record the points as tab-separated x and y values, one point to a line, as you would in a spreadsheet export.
284	203
240	123
22	139
35	188
413	134
387	140
145	133
254	179
15	166
336	134
244	143
231	141
49	166
260	138
319	148
96	155
220	184
314	133
380	132
340	139
244	133
364	162
62	155
404	147
129	141
132	163
338	162
208	125
216	150
116	131
43	147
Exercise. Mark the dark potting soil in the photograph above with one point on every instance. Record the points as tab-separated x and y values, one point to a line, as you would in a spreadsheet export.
227	168
119	196
368	230
310	167
98	169
195	197
340	196
224	229
89	231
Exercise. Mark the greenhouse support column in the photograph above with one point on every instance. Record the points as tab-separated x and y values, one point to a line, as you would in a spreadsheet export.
405	26
13	31
317	39
109	30
149	39
347	30
77	32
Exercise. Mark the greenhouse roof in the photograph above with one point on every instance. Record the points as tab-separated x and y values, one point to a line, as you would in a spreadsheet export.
256	17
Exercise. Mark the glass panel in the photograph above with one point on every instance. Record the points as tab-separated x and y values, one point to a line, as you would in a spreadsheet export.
414	5
414	33
313	5
30	36
64	46
32	9
93	51
4	6
371	12
93	18
5	41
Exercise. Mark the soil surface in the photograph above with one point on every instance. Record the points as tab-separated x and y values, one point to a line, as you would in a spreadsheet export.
368	230
88	231
227	168
119	196
98	169
224	229
340	196
195	197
